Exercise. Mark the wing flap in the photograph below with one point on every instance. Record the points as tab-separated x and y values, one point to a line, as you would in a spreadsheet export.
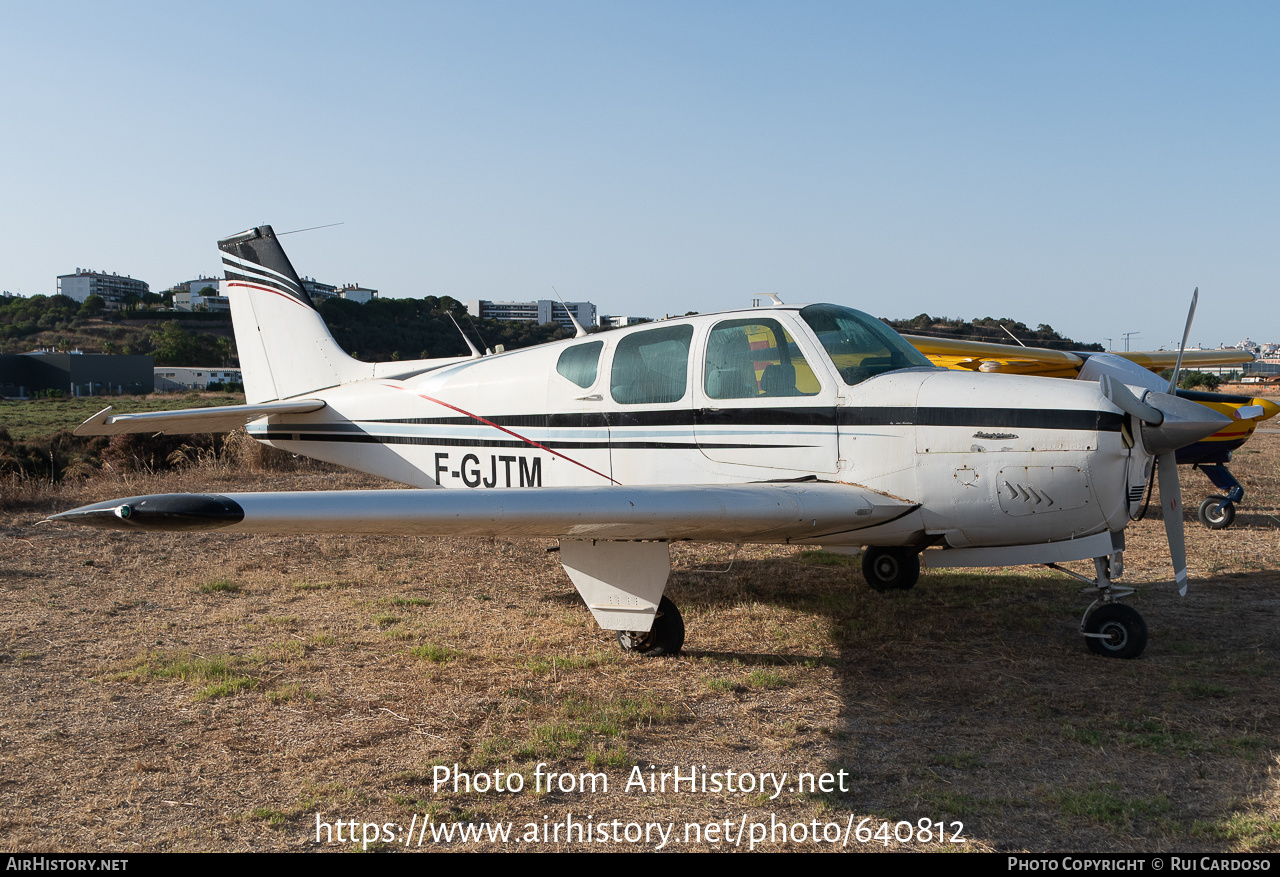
770	512
223	418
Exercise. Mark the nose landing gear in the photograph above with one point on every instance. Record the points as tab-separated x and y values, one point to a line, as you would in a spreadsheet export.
1112	629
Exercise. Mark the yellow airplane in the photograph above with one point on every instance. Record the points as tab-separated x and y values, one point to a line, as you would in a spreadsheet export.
1209	455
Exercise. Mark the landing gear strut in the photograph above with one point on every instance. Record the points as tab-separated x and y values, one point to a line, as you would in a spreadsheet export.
666	637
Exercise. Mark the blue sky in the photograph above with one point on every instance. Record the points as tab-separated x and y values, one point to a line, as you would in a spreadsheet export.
1080	164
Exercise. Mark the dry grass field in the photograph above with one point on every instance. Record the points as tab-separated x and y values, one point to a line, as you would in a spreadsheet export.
206	692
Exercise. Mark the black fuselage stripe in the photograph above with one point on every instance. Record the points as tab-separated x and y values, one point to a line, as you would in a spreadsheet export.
440	441
982	418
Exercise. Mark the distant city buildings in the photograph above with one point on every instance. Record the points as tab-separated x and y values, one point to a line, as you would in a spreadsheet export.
540	311
358	293
116	291
172	379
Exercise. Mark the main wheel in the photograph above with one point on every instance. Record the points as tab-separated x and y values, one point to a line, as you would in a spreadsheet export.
1125	633
666	637
891	569
1216	518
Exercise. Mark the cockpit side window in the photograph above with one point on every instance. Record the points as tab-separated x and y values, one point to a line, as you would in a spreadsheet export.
652	366
859	345
579	363
749	359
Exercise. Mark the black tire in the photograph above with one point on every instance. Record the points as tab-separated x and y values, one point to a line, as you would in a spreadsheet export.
1126	632
891	569
666	637
1216	519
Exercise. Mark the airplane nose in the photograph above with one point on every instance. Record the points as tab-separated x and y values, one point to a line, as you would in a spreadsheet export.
1183	423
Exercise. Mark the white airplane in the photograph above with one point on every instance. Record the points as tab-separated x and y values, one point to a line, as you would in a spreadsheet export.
807	425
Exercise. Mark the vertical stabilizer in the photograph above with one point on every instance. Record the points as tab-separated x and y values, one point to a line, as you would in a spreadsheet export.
285	348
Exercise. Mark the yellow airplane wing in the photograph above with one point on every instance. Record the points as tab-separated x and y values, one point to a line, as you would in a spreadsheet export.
985	356
1004	358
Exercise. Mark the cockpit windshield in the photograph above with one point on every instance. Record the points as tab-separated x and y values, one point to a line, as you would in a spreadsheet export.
859	345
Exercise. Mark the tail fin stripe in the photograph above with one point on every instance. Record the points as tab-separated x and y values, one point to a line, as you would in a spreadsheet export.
246	265
241	283
237	277
259	274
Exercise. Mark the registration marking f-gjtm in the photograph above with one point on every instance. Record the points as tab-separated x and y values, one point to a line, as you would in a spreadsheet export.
528	470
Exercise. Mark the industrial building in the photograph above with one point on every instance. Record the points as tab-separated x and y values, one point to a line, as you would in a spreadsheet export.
76	374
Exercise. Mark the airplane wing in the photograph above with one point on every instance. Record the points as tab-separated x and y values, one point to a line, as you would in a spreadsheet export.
1159	360
759	512
985	356
223	418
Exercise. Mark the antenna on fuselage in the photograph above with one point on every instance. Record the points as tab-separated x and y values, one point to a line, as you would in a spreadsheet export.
475	354
1011	335
579	332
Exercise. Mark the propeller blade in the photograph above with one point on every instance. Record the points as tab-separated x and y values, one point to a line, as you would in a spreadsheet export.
1171	501
1177	367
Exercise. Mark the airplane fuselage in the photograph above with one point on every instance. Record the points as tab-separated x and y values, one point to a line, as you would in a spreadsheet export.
748	396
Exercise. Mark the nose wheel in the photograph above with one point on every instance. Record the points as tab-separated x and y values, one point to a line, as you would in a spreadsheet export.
1115	630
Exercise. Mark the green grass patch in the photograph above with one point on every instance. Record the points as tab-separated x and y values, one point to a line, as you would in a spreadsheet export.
286	693
766	678
218	676
220	586
319	586
830	558
274	818
1109	805
420	602
556	663
434	653
1245	831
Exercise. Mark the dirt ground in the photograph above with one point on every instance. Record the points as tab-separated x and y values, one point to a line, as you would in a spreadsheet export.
206	692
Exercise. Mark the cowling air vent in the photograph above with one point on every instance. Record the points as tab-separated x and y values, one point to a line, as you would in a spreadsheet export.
1039	490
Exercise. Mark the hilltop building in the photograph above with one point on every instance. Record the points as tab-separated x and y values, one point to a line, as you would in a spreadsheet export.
541	311
114	289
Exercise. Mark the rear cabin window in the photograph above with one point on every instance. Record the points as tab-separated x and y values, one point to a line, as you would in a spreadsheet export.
579	363
751	359
651	367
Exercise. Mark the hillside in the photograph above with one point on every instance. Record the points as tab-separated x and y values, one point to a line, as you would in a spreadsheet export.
383	329
988	329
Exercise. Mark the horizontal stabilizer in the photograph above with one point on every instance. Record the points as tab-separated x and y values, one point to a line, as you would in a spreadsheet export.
223	418
769	512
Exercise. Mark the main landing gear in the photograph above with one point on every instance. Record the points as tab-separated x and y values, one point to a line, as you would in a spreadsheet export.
666	637
1218	512
891	569
1112	629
